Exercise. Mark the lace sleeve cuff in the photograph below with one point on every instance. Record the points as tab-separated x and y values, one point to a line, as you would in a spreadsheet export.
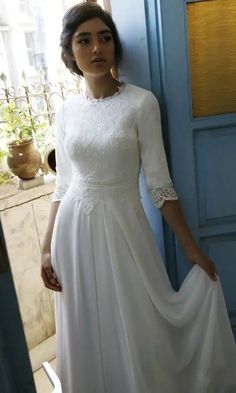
162	194
58	193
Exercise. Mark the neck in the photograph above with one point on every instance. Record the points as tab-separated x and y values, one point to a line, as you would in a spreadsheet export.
101	87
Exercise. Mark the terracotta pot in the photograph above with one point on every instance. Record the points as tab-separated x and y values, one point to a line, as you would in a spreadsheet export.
24	160
49	164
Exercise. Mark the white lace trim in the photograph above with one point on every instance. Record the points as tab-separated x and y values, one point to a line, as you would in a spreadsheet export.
58	193
99	100
160	195
91	194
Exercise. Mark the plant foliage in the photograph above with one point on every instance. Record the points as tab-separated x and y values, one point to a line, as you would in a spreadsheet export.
17	125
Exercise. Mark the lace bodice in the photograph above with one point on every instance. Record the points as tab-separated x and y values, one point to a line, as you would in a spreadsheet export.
102	143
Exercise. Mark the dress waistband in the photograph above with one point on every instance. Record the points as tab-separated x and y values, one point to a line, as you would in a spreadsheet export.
91	193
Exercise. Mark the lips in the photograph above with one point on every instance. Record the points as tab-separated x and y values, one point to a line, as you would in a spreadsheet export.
98	60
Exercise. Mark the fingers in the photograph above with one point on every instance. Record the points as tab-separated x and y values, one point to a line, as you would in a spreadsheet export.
212	276
212	272
209	267
50	280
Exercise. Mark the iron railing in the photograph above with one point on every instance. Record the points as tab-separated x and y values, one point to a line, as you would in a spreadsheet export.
41	99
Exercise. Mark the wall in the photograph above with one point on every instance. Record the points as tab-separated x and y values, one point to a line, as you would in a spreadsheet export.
130	19
24	216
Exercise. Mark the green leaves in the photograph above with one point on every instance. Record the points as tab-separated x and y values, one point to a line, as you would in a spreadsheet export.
16	123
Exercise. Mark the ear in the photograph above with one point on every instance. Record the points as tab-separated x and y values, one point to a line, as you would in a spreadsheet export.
70	54
115	71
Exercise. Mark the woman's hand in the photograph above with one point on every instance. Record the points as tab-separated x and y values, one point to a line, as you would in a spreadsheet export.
47	273
205	263
171	211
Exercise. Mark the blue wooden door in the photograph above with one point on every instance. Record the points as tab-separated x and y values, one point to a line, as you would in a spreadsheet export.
200	148
201	124
15	369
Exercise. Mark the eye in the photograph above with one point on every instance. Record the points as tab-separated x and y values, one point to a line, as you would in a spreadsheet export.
107	38
83	41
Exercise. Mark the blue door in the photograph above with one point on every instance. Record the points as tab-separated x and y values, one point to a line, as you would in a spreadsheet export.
184	51
196	41
15	370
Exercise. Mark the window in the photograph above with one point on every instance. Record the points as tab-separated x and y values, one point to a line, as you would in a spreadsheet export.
29	39
24	6
212	37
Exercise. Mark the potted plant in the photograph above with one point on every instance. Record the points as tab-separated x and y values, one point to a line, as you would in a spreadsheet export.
19	129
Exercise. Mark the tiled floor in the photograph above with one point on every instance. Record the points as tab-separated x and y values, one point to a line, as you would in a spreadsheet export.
45	351
42	383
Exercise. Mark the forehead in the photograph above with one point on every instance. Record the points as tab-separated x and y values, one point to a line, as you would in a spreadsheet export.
94	25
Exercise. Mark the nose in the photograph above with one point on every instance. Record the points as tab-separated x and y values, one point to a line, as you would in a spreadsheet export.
96	48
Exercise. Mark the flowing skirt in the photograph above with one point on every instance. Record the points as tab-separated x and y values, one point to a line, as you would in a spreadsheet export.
121	327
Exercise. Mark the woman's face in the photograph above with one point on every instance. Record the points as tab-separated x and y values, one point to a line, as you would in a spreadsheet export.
93	48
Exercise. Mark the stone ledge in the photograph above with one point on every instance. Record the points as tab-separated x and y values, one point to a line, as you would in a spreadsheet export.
32	183
17	197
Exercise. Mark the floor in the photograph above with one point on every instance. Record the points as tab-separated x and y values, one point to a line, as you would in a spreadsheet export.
43	352
42	383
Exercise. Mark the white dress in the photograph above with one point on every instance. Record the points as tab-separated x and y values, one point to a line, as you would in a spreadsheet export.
121	328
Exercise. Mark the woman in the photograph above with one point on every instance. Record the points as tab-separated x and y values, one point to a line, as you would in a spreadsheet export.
121	328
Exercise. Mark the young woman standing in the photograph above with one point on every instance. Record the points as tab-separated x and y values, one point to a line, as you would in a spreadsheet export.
121	328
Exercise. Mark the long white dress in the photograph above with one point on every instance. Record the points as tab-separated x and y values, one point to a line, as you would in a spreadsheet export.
121	328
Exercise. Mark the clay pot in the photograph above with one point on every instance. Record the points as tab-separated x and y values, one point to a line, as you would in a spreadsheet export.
49	164
24	160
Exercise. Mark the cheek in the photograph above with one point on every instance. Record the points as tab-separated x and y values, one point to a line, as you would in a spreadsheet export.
111	50
80	54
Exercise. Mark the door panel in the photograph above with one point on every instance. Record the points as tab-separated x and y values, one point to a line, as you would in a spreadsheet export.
214	159
199	93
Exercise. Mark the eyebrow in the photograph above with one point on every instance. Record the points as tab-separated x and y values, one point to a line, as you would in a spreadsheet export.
88	33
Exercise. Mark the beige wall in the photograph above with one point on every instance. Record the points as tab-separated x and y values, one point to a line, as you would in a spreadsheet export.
24	216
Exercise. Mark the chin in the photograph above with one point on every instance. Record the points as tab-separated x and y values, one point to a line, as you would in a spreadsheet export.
97	73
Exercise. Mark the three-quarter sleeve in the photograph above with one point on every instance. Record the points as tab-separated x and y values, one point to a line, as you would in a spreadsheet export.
153	157
63	164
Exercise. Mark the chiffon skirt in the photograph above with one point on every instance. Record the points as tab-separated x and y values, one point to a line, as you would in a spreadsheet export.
120	326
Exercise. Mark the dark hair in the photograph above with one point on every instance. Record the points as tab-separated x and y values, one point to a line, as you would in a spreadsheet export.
73	18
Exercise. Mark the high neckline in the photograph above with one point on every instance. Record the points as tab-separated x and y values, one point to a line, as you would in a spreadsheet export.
98	100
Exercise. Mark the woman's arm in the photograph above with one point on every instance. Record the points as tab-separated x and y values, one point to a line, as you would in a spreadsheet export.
63	177
47	273
172	213
159	182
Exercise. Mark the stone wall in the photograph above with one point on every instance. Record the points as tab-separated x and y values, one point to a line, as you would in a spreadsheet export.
24	216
